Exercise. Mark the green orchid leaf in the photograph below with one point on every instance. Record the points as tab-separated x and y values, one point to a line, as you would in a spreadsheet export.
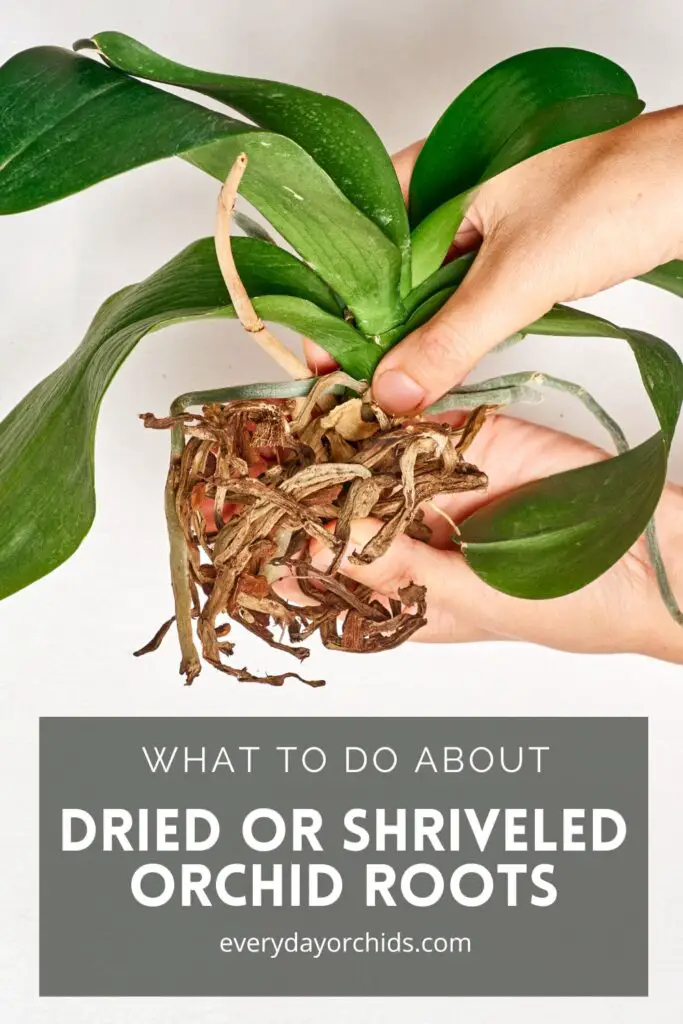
347	346
433	237
424	302
346	249
419	316
47	495
554	536
266	269
572	119
450	275
523	106
669	277
547	96
336	135
69	122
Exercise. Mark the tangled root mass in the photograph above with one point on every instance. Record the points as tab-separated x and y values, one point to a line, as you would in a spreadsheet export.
258	480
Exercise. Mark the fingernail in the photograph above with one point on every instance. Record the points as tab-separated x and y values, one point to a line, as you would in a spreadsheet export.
395	391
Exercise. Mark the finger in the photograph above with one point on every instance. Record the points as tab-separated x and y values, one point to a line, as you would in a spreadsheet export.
403	563
446	577
444	574
467	239
407	561
317	358
404	161
502	293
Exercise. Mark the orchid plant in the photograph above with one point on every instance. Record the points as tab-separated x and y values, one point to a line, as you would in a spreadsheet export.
365	271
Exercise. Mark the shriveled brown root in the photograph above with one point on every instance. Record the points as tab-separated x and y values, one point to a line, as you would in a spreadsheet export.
155	643
255	483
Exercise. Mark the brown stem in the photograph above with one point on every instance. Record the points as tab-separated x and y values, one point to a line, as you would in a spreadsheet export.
246	313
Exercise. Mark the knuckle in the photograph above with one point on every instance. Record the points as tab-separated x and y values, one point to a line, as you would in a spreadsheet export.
442	348
397	572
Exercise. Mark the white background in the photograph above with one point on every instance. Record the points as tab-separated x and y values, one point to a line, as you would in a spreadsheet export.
66	642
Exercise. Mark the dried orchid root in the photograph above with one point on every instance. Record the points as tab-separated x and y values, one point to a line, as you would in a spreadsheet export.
255	481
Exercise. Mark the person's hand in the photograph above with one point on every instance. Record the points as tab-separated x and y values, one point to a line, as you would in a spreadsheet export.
565	224
621	611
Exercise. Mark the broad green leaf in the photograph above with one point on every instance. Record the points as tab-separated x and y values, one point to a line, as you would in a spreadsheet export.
433	237
554	536
525	95
349	348
523	106
424	302
47	495
343	246
69	122
419	316
336	135
669	277
450	275
573	119
266	269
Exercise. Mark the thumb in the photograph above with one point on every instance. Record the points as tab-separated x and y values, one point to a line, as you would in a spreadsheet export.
407	561
500	295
